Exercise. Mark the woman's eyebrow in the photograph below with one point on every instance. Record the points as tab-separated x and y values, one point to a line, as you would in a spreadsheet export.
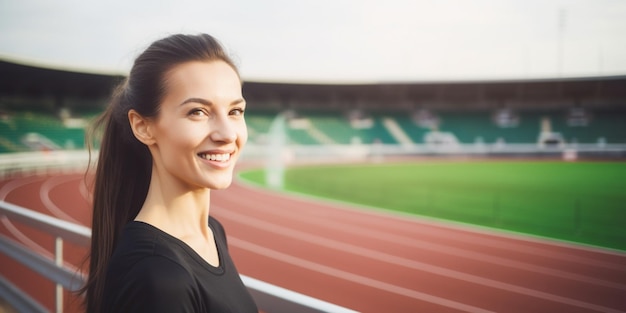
209	103
197	100
238	101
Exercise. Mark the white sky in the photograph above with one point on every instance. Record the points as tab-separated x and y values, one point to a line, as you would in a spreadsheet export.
333	40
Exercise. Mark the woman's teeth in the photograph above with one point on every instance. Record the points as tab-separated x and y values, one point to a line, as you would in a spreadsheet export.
215	157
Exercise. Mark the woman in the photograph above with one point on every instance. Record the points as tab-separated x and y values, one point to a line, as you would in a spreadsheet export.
173	131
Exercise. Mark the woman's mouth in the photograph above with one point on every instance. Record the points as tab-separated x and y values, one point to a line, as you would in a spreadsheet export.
217	157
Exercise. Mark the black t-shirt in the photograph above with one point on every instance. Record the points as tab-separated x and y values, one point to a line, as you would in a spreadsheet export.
152	271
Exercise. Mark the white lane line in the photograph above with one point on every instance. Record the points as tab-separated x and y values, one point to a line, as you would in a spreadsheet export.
84	191
4	192
411	264
379	212
44	195
446	231
16	183
457	252
372	283
24	239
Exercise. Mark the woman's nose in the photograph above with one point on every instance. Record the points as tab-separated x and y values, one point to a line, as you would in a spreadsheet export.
223	130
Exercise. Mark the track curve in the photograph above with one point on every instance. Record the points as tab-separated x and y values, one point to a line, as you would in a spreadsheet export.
363	259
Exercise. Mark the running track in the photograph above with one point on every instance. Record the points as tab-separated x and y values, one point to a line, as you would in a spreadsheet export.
364	260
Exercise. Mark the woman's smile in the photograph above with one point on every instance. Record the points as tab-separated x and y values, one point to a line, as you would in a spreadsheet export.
218	160
221	157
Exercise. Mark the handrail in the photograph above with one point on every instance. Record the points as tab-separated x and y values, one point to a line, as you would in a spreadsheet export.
69	279
269	297
300	303
43	162
20	301
75	233
77	160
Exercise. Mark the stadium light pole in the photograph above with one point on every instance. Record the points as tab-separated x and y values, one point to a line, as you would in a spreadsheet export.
561	25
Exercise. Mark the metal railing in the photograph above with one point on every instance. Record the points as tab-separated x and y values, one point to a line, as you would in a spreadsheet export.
39	163
51	269
20	301
270	298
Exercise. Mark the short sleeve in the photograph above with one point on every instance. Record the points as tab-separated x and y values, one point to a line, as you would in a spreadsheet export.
155	284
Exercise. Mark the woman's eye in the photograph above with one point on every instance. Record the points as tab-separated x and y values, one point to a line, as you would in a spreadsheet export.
237	111
197	112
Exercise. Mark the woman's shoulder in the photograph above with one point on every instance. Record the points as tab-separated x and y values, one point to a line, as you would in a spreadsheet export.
152	284
139	238
216	226
142	259
142	244
159	271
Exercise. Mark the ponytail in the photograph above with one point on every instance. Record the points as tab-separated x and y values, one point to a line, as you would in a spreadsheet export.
121	185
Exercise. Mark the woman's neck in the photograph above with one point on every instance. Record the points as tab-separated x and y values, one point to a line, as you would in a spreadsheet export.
175	208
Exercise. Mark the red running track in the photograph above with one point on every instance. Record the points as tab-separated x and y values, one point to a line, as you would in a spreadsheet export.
362	259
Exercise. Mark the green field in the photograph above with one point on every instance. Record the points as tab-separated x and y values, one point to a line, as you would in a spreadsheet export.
581	202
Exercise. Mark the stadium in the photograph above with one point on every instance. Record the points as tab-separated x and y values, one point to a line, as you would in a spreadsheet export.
392	197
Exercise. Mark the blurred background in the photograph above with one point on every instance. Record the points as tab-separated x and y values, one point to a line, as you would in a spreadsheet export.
344	82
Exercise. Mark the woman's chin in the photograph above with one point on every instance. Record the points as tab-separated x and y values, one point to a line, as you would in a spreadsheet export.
220	184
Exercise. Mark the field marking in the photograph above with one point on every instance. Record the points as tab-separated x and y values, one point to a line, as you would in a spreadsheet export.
417	243
84	191
19	235
447	229
448	226
24	239
395	260
368	282
4	192
44	195
16	183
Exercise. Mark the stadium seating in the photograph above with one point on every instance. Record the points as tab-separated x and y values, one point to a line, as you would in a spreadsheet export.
46	131
602	127
20	130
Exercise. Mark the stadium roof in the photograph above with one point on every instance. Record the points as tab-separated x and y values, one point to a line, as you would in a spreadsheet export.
22	79
33	81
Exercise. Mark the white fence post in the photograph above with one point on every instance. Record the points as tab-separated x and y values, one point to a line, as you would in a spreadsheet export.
58	260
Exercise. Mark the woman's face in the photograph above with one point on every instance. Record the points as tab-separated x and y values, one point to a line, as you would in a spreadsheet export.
200	130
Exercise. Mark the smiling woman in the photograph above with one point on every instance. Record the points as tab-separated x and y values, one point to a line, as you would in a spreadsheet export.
203	102
173	132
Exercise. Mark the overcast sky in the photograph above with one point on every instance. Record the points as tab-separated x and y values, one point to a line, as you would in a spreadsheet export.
333	40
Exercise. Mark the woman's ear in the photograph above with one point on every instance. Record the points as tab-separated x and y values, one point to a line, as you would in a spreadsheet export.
141	127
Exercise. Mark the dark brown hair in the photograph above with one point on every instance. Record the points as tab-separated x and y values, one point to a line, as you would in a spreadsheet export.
125	164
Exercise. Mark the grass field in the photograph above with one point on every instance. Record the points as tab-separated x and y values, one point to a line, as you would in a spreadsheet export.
582	202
